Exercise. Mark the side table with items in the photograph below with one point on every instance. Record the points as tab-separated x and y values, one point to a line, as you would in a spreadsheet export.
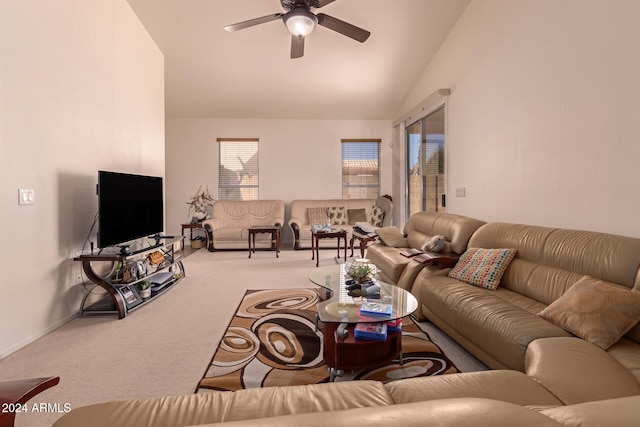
316	235
195	226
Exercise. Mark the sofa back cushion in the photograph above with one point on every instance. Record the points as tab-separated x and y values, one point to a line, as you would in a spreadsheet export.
456	229
245	213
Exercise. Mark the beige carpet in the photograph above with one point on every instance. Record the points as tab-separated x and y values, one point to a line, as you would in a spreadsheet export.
272	340
162	348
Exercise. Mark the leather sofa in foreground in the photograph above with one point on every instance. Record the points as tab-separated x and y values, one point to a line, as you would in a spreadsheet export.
488	398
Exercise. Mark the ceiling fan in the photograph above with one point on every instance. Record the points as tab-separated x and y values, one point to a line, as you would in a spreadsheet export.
300	21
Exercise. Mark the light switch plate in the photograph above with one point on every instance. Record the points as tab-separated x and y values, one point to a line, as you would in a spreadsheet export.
26	196
461	192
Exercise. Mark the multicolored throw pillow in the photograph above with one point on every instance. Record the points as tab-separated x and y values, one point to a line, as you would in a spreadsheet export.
337	215
377	216
482	267
596	311
317	216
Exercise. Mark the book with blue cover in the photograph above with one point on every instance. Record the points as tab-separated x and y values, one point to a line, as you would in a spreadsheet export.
371	331
372	308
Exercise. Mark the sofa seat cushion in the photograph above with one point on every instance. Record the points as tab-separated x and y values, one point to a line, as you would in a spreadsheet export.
626	352
497	324
388	260
232	233
577	371
623	412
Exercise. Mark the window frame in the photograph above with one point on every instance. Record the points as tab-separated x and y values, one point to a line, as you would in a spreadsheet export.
347	186
252	190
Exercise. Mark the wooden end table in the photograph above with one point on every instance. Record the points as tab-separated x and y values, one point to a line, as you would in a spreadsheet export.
315	240
195	226
271	229
364	241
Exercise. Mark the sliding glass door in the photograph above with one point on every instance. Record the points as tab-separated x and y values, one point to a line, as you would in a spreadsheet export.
425	163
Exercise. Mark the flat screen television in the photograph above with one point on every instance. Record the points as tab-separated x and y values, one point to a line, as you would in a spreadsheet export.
129	207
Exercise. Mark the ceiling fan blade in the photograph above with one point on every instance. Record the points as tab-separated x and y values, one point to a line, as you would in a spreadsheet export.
251	22
320	3
342	27
297	46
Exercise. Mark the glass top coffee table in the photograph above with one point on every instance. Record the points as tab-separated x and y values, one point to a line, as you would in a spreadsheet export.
340	313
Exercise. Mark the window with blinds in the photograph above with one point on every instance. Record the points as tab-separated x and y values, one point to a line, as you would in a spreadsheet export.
360	168
238	169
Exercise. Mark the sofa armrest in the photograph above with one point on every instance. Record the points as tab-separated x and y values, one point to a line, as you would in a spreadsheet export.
18	393
209	227
576	371
278	222
296	224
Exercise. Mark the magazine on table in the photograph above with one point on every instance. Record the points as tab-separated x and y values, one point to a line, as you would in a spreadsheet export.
410	252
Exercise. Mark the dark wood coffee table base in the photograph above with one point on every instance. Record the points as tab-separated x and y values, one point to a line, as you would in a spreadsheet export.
349	353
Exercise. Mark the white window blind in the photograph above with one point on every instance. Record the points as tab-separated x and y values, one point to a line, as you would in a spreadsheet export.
238	169
360	168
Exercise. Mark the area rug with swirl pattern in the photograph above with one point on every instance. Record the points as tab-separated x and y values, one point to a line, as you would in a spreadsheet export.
272	341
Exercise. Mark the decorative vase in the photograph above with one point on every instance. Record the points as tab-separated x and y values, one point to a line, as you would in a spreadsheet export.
144	293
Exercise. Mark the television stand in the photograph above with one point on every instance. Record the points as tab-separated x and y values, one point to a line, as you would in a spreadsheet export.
123	249
127	270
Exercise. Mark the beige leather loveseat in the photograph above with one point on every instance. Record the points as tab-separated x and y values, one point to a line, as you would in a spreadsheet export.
227	228
341	212
498	326
488	398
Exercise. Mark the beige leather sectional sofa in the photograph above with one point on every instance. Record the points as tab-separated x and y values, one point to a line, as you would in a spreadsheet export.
498	326
227	228
544	375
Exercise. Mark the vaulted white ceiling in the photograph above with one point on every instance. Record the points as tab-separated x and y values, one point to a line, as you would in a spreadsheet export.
210	72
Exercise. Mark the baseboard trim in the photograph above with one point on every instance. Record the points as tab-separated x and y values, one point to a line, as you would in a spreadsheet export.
28	340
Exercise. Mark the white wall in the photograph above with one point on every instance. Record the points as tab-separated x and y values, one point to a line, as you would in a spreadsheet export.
299	159
544	115
81	89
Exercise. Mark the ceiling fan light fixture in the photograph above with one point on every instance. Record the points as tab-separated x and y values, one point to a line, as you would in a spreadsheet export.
300	22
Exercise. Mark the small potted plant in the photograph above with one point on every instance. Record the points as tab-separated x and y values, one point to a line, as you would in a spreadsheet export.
144	288
362	270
